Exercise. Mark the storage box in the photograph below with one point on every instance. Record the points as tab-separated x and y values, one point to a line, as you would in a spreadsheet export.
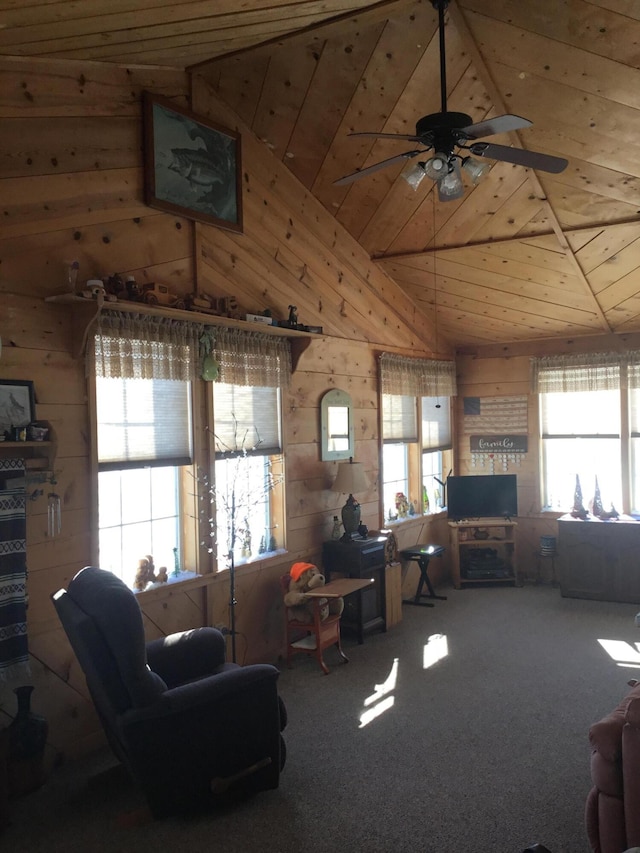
259	318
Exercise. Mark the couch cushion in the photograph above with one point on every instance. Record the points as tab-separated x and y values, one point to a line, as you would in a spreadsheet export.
606	735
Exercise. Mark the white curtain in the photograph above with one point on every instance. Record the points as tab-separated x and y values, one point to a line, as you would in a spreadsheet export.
602	371
249	358
140	346
417	377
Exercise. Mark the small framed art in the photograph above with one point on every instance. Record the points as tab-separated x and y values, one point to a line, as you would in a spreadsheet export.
17	404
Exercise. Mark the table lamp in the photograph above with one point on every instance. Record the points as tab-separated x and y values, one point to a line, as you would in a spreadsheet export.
351	478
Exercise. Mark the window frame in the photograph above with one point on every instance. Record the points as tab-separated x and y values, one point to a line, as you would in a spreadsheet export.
625	438
415	452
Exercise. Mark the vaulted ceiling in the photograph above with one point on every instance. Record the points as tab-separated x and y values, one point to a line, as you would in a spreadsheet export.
523	255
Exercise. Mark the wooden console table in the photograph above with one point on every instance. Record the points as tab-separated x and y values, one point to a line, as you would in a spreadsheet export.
599	559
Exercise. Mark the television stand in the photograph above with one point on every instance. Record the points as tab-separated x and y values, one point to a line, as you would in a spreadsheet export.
483	550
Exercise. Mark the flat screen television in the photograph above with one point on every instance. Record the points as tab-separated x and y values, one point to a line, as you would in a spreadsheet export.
482	496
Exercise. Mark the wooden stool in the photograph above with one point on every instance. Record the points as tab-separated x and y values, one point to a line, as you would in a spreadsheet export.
422	554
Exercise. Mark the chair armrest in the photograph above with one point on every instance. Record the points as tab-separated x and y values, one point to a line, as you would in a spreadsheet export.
201	736
187	655
231	687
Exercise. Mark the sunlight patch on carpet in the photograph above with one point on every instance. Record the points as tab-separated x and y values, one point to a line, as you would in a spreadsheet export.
377	704
434	650
623	653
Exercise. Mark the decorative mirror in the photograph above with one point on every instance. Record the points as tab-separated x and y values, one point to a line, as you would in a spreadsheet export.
336	413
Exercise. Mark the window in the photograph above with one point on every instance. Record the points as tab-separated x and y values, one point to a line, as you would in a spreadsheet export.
406	471
143	409
580	438
585	404
436	450
416	434
248	471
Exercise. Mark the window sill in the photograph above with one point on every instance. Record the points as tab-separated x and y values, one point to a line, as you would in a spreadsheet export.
185	580
429	516
255	563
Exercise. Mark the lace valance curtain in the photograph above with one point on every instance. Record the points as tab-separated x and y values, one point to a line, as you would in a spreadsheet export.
250	358
585	372
417	377
139	346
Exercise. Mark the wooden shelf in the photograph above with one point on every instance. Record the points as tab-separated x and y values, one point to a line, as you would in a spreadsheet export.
298	345
463	542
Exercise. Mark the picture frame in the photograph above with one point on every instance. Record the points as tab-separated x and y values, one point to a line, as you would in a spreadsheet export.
192	166
17	404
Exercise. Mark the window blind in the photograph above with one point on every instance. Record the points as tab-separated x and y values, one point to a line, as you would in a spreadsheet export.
143	422
247	420
436	423
399	418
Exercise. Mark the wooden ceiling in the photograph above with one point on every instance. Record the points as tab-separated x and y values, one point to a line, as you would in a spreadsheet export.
523	255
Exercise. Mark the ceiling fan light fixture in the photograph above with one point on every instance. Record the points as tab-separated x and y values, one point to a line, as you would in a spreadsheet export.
475	168
436	167
450	187
414	175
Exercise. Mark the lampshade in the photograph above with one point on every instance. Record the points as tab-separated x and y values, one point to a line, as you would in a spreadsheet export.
450	187
414	175
437	166
475	168
351	478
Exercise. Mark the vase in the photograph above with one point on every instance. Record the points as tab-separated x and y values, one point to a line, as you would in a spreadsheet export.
350	516
27	734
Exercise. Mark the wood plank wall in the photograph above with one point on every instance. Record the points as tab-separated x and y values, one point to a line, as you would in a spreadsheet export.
71	189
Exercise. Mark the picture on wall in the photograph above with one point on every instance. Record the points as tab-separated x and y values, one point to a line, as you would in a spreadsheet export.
17	403
192	167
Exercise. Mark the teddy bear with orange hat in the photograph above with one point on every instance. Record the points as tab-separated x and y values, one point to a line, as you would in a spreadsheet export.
305	577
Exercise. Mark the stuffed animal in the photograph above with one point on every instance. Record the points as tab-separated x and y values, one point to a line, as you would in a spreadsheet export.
305	577
146	574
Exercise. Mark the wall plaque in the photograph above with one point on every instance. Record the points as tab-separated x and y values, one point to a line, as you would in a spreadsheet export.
499	443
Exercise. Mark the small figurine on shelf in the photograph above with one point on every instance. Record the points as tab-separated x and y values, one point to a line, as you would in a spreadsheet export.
596	508
578	510
336	533
292	322
610	515
402	505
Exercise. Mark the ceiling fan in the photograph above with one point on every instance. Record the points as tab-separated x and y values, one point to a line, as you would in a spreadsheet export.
450	135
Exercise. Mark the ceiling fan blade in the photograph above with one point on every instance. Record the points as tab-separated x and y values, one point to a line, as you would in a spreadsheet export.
519	156
499	124
368	170
406	137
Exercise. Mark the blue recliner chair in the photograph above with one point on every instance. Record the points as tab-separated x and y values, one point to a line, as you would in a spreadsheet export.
188	726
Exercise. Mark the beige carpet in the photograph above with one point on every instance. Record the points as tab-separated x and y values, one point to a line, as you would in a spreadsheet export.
462	730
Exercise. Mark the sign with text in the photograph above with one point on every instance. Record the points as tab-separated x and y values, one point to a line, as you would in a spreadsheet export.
499	443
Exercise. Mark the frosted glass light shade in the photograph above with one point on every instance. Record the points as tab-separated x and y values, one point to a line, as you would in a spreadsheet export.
436	167
450	187
414	175
475	168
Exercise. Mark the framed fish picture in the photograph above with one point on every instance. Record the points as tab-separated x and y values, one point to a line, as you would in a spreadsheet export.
192	166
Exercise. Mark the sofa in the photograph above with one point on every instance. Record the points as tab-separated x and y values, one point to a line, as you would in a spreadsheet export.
612	811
